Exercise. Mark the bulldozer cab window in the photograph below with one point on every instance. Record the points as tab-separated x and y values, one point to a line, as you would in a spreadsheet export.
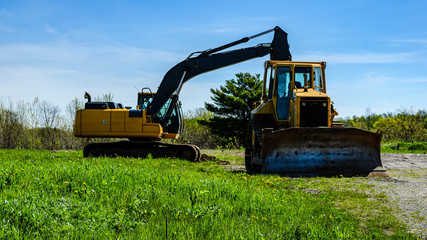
317	79
299	76
270	75
282	91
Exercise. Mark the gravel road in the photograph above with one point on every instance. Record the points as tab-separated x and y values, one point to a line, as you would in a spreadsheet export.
407	188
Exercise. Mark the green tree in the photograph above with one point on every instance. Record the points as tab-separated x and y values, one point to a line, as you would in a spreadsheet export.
404	126
422	117
10	129
232	105
196	133
365	122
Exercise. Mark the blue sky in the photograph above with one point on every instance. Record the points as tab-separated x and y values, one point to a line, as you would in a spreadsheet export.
56	50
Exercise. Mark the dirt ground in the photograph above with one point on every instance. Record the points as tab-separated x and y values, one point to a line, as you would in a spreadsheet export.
407	188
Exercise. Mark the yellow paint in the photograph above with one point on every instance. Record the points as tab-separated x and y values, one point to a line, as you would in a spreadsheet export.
114	123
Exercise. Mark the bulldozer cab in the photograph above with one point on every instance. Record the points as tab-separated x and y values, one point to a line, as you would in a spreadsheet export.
289	82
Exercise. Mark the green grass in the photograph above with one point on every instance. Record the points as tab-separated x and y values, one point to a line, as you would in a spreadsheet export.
59	195
403	147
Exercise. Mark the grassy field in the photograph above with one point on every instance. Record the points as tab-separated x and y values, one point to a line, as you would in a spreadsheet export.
59	195
402	147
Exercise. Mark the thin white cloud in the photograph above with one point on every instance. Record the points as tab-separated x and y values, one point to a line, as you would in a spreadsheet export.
416	80
49	29
381	78
5	28
27	82
4	12
59	72
374	77
414	40
222	30
365	57
67	53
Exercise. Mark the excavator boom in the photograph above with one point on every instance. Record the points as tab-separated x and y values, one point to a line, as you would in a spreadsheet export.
211	59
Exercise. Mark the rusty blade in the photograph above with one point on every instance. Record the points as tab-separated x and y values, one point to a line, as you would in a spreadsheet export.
321	151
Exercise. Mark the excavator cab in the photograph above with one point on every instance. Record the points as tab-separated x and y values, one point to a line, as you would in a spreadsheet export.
144	99
172	124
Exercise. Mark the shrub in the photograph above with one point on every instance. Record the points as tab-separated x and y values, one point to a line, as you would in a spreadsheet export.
418	146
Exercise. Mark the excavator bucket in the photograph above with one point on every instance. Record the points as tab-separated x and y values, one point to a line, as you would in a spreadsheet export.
322	152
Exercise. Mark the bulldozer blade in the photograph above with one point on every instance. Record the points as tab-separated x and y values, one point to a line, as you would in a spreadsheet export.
322	152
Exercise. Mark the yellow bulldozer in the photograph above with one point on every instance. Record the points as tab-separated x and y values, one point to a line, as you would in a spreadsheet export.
291	132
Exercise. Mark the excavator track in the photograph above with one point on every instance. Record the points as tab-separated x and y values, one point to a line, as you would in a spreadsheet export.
138	149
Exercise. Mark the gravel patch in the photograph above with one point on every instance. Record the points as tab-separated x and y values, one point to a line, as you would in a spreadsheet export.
407	188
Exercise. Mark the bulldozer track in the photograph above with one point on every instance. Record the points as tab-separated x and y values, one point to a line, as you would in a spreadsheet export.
257	127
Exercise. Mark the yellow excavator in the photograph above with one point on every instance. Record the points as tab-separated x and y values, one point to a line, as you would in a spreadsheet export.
291	132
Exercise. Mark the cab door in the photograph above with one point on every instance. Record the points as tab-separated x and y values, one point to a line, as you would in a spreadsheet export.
282	92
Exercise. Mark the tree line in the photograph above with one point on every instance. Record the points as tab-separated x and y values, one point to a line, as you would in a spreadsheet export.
221	124
40	125
404	125
229	116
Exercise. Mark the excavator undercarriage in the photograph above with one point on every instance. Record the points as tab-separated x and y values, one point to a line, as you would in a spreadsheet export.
143	149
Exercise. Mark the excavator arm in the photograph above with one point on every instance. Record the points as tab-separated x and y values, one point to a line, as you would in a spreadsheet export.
211	59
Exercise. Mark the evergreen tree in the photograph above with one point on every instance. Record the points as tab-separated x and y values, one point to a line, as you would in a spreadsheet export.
232	105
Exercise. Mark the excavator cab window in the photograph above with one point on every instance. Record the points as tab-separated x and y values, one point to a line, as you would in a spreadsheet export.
174	123
282	91
144	100
162	112
299	76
